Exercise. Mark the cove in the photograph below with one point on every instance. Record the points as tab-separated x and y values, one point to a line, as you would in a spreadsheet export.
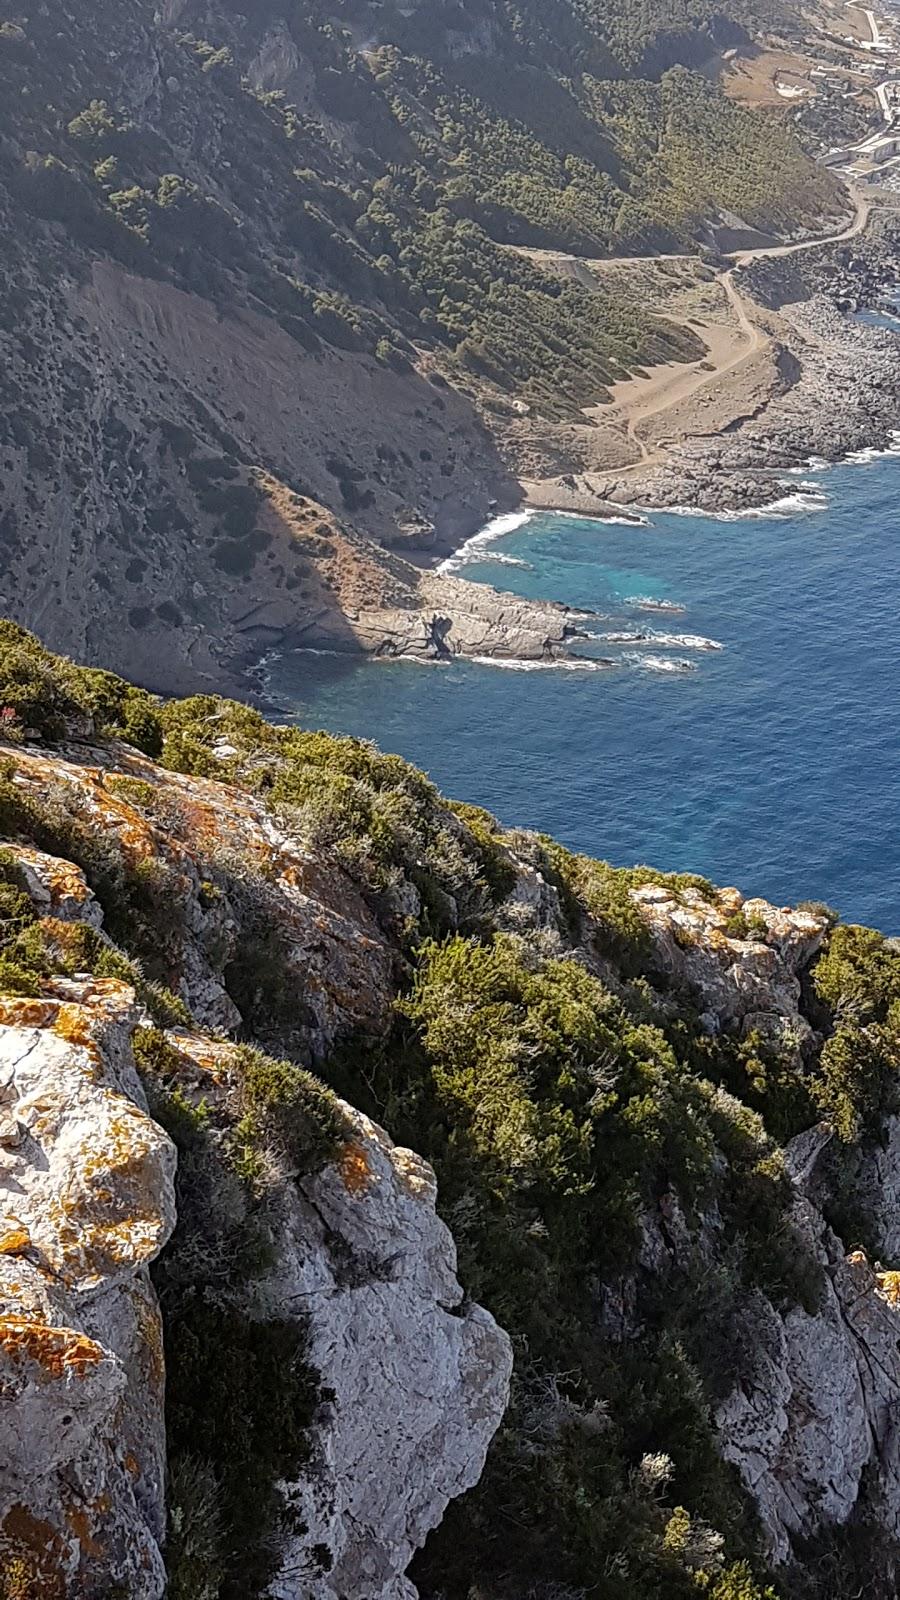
772	763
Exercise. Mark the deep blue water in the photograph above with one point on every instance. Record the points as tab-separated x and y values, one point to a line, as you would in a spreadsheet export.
774	764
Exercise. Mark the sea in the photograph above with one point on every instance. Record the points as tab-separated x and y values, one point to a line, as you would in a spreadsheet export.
737	713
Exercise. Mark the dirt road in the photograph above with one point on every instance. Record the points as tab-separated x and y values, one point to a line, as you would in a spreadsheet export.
667	386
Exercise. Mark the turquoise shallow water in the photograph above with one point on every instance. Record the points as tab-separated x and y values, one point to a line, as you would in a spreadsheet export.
774	763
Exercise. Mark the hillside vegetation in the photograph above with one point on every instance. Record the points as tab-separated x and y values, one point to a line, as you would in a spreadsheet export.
610	1147
278	248
364	197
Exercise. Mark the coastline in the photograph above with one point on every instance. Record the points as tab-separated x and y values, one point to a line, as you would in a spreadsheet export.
837	401
838	404
841	407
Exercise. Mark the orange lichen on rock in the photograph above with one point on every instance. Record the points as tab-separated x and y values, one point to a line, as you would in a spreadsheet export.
33	1553
19	1011
58	1351
149	1322
208	1056
73	1023
61	879
84	1531
71	1019
14	1241
353	1165
889	1287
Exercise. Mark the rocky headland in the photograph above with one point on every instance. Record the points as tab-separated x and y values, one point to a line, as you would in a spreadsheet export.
252	1343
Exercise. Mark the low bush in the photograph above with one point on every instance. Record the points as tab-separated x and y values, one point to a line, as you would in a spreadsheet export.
286	1111
857	1081
560	1126
50	695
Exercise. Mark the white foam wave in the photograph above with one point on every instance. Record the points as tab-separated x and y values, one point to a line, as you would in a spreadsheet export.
508	561
613	521
651	663
415	661
811	464
566	664
648	602
495	529
863	458
686	641
665	641
804	500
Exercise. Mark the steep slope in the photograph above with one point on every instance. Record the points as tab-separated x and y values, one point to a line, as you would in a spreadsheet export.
277	246
663	1119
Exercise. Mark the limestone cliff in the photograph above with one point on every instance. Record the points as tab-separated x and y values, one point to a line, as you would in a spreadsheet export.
414	1379
87	1201
239	1354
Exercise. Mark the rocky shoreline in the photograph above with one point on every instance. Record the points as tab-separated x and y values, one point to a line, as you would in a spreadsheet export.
842	395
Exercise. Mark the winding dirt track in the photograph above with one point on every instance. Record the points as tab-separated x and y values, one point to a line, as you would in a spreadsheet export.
668	388
662	394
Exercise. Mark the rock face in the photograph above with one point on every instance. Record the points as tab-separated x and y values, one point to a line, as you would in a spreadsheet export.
416	1378
419	1376
741	957
86	1202
815	1415
408	1379
878	1188
809	1423
209	833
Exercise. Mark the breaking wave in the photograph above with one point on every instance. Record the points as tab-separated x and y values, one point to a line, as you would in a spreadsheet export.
864	458
667	641
807	499
651	663
495	529
647	602
612	521
508	561
564	664
811	464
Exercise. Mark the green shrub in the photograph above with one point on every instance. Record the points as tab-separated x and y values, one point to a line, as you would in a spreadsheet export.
857	1081
286	1110
93	123
49	694
737	1583
858	972
560	1126
494	863
379	816
16	979
241	1391
196	1552
603	893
